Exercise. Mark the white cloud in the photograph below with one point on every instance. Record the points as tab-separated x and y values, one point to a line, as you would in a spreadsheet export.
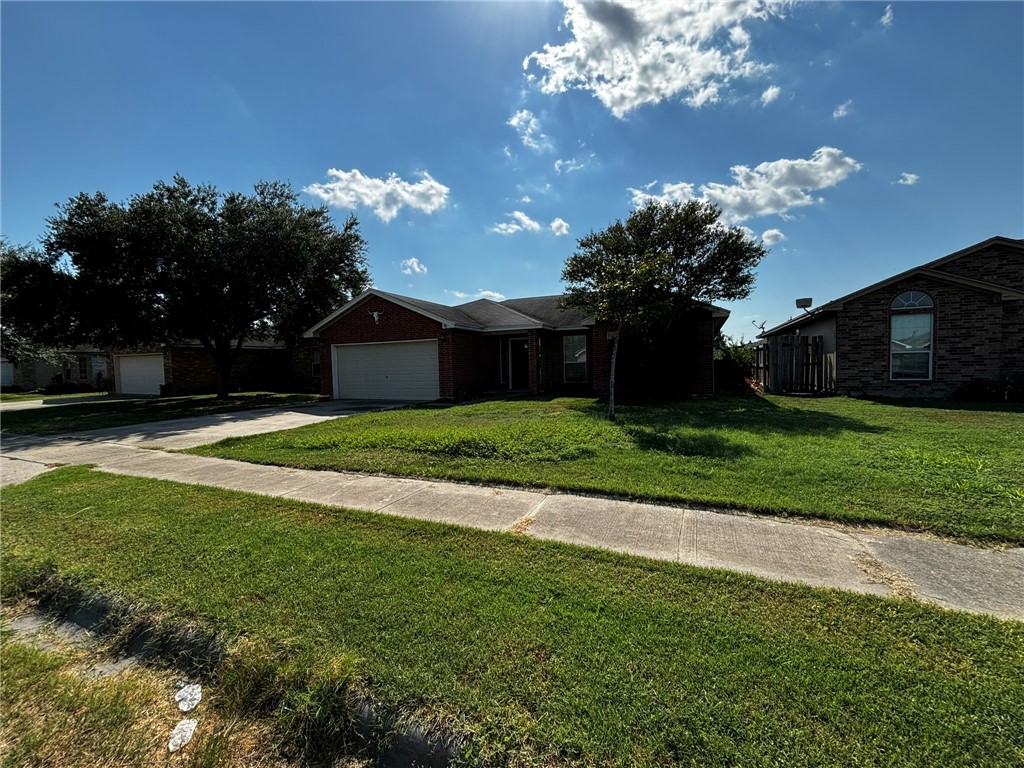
886	20
525	199
568	166
670	193
528	127
560	227
520	222
908	179
769	188
480	294
385	197
413	266
842	110
772	236
770	94
628	53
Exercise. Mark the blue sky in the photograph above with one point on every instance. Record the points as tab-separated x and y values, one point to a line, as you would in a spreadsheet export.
858	139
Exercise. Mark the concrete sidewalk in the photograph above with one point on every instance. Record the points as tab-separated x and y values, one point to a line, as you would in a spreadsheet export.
822	555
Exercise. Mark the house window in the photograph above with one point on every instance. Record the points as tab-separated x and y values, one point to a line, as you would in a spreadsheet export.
574	359
910	338
314	369
503	361
83	368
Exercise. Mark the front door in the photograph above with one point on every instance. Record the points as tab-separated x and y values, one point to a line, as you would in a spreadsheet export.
519	364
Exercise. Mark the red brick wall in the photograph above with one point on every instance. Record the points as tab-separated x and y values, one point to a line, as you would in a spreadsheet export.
968	338
395	324
472	365
672	364
190	370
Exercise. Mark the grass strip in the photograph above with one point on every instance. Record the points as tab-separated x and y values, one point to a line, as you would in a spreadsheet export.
540	653
79	417
55	715
956	471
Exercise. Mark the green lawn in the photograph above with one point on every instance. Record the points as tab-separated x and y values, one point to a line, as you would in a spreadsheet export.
953	470
540	653
117	413
18	397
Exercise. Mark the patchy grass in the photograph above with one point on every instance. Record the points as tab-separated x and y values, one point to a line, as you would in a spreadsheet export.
957	471
78	417
540	653
55	716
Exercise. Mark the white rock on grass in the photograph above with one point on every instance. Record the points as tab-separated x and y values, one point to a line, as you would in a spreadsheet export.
182	735
189	696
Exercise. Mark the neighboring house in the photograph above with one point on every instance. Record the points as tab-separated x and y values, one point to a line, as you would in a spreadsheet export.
82	368
185	369
922	333
385	346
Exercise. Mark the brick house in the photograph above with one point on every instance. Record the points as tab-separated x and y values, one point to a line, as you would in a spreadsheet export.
925	332
385	346
188	369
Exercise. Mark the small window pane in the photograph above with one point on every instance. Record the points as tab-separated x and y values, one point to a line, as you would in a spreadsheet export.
910	365
911	333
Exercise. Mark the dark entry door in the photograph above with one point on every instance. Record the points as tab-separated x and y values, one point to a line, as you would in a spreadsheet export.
519	364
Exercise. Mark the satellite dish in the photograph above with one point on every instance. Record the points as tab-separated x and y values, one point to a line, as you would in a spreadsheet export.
804	303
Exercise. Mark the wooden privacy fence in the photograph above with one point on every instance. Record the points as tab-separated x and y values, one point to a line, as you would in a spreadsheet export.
793	364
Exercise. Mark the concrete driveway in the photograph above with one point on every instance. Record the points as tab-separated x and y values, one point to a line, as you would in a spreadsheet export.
177	434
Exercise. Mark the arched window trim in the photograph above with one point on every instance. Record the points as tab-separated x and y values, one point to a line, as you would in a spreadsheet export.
912	300
912	312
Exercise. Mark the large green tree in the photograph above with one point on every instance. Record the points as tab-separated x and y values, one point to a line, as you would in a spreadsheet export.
664	259
188	263
36	296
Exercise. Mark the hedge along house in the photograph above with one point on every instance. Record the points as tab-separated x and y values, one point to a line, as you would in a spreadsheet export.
926	332
389	347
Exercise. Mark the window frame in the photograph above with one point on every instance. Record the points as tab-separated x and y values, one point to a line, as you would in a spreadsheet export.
576	363
912	303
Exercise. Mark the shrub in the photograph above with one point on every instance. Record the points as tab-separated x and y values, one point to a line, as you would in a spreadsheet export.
1003	389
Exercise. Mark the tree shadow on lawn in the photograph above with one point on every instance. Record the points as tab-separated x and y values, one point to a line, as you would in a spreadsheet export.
948	405
747	414
708	444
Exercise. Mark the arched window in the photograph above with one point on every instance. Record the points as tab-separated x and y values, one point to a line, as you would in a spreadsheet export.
910	338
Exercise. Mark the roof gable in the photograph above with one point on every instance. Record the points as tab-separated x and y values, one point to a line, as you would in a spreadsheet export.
929	269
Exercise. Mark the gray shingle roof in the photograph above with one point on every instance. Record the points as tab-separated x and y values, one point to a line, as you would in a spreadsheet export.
546	310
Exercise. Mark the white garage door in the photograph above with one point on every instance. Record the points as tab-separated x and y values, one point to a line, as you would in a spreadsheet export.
139	374
402	370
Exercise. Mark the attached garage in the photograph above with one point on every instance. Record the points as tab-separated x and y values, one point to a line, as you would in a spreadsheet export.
398	370
139	374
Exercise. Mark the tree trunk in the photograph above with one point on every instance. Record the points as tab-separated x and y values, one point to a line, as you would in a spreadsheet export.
223	360
611	376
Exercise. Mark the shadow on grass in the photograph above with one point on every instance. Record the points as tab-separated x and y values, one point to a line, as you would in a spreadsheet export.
947	405
708	445
748	414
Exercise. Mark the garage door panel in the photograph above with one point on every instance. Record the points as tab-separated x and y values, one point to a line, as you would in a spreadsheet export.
140	374
396	371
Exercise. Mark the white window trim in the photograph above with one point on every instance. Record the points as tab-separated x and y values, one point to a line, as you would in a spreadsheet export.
921	309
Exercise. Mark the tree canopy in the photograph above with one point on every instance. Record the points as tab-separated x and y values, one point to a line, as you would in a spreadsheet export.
35	304
188	263
659	263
